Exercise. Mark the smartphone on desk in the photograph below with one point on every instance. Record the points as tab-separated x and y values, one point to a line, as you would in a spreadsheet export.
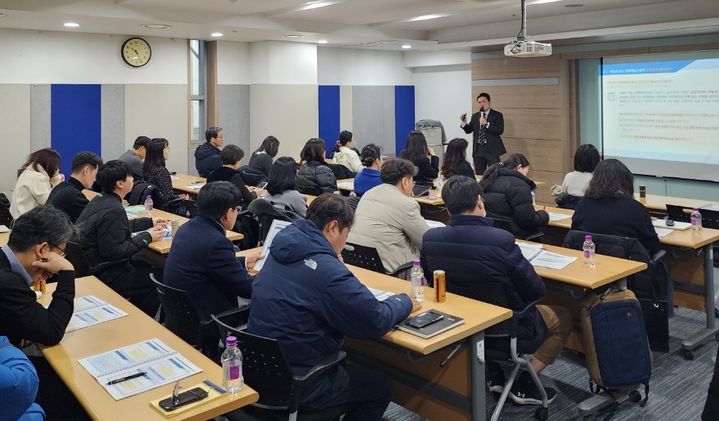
184	398
424	319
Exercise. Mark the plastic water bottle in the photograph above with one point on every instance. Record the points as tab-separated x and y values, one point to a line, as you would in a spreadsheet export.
148	206
231	359
696	219
588	247
416	277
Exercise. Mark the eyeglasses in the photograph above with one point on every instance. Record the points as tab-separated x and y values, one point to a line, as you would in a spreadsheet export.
62	251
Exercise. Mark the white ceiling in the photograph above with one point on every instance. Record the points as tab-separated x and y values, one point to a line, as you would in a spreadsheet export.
384	24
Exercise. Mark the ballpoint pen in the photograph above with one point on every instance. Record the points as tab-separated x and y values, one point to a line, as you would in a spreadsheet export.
130	377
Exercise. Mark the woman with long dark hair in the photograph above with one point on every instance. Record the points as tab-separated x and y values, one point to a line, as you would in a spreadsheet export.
282	186
422	156
508	194
344	153
455	159
608	206
155	172
39	174
314	176
369	176
261	159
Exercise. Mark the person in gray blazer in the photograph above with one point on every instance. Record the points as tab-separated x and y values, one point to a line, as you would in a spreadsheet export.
388	218
134	157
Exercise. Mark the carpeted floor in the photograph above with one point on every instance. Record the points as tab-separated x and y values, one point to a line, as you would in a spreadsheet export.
678	386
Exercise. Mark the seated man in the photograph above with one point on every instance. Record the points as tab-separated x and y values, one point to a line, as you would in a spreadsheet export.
18	385
207	155
35	252
308	300
388	219
470	248
110	240
134	157
202	260
67	196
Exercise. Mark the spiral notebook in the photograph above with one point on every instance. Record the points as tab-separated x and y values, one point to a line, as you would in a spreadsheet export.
160	364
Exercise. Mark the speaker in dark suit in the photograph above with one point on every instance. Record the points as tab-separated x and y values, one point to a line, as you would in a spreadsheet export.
486	126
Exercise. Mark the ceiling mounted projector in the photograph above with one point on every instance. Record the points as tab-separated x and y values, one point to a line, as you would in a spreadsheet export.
523	47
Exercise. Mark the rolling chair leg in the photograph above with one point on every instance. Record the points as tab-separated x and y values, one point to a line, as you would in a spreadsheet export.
293	416
542	392
503	397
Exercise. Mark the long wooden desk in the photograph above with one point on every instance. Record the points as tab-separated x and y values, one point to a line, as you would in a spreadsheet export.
163	246
658	203
181	182
133	328
703	240
465	385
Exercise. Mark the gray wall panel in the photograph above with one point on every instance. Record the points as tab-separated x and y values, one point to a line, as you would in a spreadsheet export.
113	121
234	115
40	110
14	132
373	116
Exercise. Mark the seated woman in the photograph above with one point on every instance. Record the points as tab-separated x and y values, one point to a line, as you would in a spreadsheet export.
455	159
508	194
422	156
576	182
369	176
231	156
261	159
608	207
344	153
282	187
314	176
39	174
155	172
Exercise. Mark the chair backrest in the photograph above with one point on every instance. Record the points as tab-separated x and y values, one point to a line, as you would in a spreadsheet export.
710	218
678	213
251	176
5	216
75	255
140	191
504	224
353	201
489	290
364	257
265	213
340	171
181	318
264	366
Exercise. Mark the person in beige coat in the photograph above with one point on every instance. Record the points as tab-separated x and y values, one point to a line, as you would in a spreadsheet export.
388	218
35	179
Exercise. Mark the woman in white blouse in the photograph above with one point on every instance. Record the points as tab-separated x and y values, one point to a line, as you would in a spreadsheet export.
35	179
345	155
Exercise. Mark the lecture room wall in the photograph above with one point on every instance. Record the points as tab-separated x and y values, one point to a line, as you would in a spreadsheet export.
74	92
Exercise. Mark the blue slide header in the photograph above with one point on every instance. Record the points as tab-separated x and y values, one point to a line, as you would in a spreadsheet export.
644	68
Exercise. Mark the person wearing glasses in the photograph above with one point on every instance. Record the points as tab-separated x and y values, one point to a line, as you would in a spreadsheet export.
202	259
34	253
388	219
111	241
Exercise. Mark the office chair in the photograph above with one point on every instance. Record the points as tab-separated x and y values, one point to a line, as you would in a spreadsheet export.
5	216
368	258
710	218
265	369
264	213
142	189
651	286
501	339
251	176
340	171
75	255
508	225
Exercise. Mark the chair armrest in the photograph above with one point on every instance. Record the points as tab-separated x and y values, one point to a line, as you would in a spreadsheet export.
534	236
526	308
322	366
658	256
222	315
401	268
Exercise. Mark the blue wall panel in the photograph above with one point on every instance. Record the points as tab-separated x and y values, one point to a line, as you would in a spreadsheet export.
403	114
75	121
329	115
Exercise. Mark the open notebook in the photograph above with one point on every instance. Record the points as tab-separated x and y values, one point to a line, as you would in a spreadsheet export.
90	310
160	364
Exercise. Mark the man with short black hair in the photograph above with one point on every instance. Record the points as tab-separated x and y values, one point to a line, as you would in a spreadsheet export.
308	300
207	155
486	126
134	157
110	240
470	250
388	218
68	196
202	259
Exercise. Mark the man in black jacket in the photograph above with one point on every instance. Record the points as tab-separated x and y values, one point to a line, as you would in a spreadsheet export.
486	126
67	196
207	155
110	240
35	251
469	249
